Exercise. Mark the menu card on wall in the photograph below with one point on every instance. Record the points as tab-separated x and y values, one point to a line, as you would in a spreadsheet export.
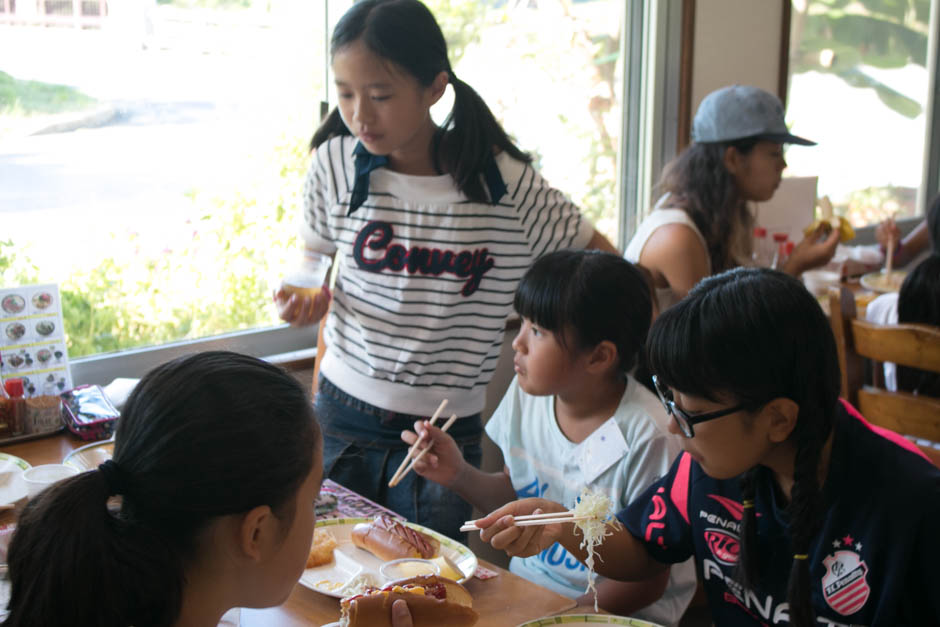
32	339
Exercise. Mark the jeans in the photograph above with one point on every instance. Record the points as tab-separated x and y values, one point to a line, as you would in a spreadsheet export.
362	449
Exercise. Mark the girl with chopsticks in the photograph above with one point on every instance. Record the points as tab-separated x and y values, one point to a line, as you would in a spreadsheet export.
574	416
217	463
432	227
793	506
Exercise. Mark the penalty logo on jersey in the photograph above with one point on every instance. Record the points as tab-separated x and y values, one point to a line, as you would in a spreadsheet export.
845	584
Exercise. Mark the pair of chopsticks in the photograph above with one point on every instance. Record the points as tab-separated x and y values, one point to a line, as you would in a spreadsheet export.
411	457
534	519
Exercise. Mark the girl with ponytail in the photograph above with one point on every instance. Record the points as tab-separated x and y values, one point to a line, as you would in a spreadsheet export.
795	509
432	227
217	464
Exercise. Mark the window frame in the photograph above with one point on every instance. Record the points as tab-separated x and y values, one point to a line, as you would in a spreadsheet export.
652	32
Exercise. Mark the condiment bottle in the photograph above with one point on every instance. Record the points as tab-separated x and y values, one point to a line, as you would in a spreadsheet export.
761	254
14	388
6	415
780	255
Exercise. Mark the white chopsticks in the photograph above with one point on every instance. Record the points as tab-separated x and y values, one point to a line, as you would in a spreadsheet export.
410	457
535	519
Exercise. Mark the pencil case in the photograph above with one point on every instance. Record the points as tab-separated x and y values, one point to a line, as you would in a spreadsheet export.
88	412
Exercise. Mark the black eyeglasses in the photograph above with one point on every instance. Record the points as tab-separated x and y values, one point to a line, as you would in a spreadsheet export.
684	419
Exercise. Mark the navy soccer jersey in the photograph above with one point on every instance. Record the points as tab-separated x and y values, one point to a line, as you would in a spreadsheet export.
875	560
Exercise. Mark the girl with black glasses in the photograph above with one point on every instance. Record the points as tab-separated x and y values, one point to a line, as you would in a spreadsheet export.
795	509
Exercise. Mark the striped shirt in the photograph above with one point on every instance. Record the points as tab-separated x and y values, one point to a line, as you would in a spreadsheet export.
426	277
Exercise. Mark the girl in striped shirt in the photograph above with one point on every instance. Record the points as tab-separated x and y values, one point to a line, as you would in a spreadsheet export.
432	227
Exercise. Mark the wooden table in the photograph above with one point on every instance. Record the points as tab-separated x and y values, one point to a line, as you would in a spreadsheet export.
504	600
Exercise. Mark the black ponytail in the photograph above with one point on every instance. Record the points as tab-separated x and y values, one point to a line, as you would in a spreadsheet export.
406	33
466	141
753	335
332	126
200	437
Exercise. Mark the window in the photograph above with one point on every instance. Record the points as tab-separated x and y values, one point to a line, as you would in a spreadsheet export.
859	85
171	203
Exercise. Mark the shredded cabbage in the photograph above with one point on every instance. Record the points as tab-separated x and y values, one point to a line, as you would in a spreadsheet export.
599	507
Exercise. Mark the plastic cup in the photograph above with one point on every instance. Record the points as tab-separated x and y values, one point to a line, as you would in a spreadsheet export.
408	567
38	478
307	278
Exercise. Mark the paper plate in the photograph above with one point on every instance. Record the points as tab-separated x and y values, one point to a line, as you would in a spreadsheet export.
88	457
12	486
879	282
349	561
587	619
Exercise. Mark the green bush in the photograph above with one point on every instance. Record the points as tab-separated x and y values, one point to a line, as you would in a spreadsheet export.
217	282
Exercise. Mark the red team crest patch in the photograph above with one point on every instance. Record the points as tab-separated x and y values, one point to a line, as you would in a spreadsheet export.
845	585
724	546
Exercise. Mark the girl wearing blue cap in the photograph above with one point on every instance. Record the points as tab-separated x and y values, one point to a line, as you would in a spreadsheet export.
432	227
701	224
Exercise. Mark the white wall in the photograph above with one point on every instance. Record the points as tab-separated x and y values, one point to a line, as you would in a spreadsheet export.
736	41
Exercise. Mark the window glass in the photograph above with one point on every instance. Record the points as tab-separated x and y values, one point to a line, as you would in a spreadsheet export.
152	151
552	74
859	86
151	160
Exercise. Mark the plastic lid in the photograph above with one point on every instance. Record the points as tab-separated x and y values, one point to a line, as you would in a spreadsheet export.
790	247
14	387
760	231
780	237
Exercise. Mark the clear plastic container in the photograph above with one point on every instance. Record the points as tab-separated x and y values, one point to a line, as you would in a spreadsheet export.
306	279
762	253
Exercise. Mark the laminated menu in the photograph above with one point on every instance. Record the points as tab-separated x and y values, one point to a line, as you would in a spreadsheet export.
32	340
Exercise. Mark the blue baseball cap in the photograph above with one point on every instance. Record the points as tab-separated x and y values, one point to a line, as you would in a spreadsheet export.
741	111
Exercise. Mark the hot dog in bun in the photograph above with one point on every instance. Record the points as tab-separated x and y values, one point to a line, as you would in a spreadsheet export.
432	601
390	539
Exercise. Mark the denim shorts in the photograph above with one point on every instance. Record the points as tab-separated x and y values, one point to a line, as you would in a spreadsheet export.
362	449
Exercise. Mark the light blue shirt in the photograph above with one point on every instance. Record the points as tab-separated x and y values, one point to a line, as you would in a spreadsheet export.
542	462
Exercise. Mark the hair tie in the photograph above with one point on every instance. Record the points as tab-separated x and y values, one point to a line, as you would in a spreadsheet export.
747	504
800	556
114	477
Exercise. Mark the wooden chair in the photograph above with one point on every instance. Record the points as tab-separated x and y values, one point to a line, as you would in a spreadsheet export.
913	345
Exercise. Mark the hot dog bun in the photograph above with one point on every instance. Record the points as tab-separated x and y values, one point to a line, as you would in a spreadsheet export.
432	601
390	539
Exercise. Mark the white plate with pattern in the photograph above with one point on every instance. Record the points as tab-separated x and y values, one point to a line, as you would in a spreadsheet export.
350	562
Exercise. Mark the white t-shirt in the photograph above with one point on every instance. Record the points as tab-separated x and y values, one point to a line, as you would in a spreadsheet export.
661	216
635	451
884	310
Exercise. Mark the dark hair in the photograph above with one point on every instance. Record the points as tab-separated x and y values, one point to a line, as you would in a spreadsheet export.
698	182
933	224
202	436
756	335
591	295
405	33
919	301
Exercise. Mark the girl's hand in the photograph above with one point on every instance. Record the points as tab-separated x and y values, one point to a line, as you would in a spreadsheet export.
888	230
811	253
401	616
302	311
444	462
497	528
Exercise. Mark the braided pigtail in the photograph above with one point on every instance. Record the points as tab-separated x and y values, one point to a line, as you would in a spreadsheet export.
804	511
748	568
